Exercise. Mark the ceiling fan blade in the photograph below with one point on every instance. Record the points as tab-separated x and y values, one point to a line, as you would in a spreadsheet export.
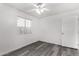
45	9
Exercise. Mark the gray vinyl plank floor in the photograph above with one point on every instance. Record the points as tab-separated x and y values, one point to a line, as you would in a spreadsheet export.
44	49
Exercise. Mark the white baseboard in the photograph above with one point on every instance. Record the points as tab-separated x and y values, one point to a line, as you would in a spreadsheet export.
1	54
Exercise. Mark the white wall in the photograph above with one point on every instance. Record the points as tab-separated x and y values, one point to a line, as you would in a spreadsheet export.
51	27
9	37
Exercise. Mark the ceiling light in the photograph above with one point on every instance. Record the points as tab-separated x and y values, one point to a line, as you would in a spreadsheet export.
40	8
39	5
40	11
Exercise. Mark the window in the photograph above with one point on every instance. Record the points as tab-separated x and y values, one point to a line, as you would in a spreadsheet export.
24	25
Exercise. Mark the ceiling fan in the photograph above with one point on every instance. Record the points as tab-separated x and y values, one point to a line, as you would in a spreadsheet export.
39	8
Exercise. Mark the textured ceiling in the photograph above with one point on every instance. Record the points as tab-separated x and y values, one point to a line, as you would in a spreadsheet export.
53	8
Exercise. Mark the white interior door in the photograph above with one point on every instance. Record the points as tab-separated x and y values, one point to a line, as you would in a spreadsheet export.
69	31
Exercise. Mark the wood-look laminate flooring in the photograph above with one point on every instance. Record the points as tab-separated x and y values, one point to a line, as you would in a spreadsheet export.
44	49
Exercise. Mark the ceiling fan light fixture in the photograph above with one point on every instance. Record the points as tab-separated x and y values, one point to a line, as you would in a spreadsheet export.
39	5
39	8
38	11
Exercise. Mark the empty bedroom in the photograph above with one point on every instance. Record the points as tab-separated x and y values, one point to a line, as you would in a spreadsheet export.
39	29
